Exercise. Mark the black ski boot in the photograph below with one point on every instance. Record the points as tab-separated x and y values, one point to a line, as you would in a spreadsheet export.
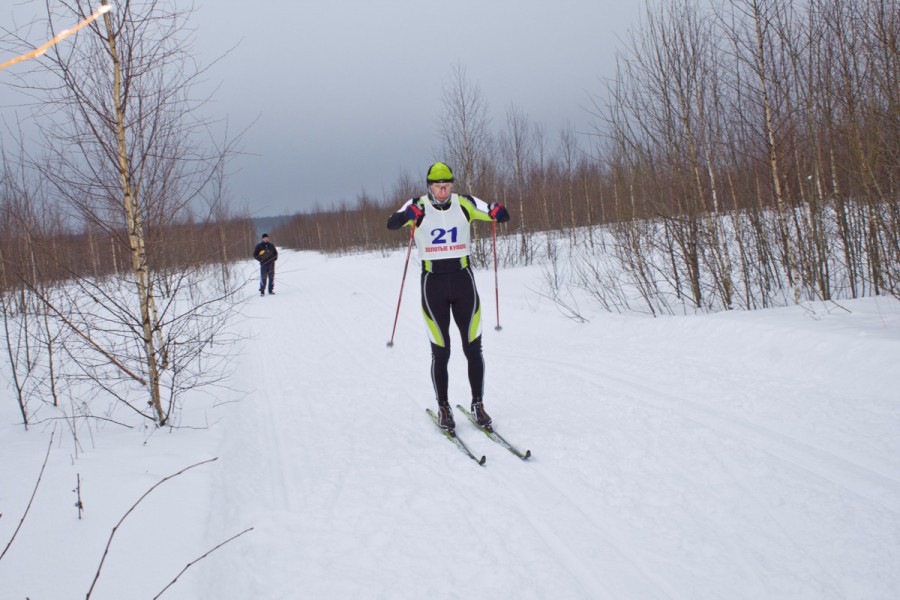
445	417
481	417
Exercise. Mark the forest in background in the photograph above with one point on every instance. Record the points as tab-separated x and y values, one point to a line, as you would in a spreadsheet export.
746	154
755	144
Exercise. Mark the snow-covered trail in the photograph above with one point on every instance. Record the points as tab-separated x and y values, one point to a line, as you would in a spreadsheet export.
727	456
738	455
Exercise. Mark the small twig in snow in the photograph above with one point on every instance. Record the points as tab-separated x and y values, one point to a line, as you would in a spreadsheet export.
129	511
196	560
841	306
33	494
78	503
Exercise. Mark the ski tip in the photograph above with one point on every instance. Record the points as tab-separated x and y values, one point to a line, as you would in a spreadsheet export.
483	460
527	455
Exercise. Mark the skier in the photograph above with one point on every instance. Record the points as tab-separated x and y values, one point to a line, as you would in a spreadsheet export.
442	232
266	253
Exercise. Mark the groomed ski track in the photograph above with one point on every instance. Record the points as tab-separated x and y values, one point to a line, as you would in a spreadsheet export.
724	456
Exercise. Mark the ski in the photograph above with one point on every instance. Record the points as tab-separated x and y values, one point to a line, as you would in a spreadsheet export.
450	434
496	437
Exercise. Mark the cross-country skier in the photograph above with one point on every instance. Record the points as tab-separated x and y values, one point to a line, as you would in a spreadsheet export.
266	253
442	222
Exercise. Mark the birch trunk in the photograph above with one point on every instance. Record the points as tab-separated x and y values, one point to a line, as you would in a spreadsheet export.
135	233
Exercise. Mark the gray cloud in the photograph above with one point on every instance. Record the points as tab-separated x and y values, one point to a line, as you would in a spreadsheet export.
346	94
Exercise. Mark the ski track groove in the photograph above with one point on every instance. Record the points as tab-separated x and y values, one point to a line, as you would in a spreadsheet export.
563	555
333	318
815	461
273	408
571	561
581	570
805	456
730	469
597	588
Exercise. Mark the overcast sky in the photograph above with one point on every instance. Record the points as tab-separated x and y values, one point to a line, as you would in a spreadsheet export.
346	94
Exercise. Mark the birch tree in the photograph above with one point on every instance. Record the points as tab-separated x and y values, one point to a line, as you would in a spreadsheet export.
464	128
125	156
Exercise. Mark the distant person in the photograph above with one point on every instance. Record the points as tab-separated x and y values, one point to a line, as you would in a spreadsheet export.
442	222
266	253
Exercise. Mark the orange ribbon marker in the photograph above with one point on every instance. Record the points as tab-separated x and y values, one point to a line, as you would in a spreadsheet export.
59	37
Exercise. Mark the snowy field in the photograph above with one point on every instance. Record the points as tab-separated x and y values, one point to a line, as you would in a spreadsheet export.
728	456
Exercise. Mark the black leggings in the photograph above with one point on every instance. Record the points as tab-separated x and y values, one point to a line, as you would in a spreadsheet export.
443	295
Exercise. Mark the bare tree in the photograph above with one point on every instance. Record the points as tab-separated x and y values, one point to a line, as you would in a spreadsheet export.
746	157
517	145
130	159
568	153
464	128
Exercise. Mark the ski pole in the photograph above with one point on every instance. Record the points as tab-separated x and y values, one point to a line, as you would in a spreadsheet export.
496	285
390	344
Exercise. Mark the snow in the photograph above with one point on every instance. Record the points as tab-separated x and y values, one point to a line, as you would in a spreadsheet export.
734	455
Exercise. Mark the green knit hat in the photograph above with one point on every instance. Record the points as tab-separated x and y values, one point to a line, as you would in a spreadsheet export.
439	173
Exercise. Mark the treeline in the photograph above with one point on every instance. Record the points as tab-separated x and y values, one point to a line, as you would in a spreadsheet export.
116	238
68	312
37	251
746	152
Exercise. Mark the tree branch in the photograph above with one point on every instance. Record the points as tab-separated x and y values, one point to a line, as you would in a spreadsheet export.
31	500
196	560
129	511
